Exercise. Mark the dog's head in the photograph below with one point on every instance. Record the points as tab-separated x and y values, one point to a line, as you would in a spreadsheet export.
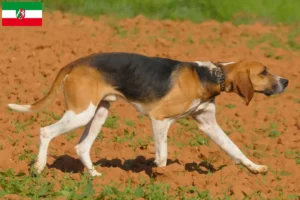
247	77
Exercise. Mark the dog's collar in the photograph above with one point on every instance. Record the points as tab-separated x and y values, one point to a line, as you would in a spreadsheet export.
221	78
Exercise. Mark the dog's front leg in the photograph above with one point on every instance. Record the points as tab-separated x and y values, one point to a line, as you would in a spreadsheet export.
160	132
208	125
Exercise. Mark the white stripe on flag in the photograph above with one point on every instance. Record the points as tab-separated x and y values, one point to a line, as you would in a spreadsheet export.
28	14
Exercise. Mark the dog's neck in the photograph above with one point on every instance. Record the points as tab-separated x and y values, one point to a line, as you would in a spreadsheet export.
217	72
226	84
221	77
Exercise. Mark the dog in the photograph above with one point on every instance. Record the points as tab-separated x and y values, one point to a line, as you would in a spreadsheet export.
162	89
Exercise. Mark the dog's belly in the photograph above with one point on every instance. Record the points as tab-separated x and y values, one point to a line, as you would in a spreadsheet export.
196	107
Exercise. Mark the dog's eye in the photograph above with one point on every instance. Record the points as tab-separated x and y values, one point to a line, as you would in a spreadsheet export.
264	73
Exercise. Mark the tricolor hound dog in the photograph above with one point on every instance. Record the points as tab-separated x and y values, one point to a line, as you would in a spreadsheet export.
160	88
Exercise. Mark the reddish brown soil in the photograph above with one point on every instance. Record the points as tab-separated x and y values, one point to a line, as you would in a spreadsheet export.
31	57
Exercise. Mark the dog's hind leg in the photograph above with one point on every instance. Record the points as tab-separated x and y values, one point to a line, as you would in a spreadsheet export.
89	135
68	122
82	95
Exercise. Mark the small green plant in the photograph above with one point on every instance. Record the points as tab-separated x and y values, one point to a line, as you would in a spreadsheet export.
187	124
230	106
297	101
118	139
121	32
297	158
70	136
136	31
293	197
27	155
285	173
179	144
100	136
193	192
150	191
129	135
270	39
23	185
21	126
271	110
198	140
293	154
279	173
293	44
269	54
190	40
234	125
274	133
129	123
111	122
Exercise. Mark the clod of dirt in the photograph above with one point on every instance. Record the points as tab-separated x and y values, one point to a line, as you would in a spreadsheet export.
12	59
279	141
162	42
297	124
241	191
143	147
159	170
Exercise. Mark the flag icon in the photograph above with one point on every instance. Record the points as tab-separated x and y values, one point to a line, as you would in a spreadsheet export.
21	13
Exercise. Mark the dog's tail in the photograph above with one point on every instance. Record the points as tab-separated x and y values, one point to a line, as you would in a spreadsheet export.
49	97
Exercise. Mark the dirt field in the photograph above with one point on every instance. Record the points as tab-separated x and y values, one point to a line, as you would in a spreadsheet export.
268	130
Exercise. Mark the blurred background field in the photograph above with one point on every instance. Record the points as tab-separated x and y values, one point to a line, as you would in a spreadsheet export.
237	11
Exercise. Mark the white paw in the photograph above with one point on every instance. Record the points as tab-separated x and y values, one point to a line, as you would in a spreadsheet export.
261	169
39	167
258	169
160	162
94	173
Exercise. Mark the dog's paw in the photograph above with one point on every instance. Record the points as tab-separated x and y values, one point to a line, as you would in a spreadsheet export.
38	167
259	169
262	169
161	162
94	173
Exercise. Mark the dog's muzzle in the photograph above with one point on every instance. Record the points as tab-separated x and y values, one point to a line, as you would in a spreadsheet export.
278	88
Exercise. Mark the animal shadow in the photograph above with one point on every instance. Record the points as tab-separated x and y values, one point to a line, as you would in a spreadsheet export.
66	163
202	168
136	165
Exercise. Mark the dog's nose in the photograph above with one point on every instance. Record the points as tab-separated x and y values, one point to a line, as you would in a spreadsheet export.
284	82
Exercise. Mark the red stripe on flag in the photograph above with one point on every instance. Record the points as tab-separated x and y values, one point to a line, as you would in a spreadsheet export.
22	22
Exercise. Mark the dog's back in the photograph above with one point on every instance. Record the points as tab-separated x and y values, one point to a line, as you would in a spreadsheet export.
138	77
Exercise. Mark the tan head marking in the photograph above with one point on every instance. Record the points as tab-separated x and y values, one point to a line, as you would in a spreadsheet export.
247	77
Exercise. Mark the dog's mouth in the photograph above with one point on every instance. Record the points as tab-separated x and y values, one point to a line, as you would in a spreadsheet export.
269	92
266	92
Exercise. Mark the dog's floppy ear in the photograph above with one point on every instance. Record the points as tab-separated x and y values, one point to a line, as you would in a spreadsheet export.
242	86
